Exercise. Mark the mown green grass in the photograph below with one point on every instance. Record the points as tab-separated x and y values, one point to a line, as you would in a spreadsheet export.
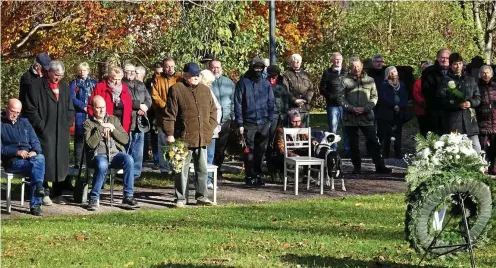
346	232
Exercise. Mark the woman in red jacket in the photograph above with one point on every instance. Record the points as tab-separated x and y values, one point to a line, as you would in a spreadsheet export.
419	102
116	95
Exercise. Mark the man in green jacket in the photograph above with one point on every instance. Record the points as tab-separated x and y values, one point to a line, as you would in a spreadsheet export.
105	139
358	98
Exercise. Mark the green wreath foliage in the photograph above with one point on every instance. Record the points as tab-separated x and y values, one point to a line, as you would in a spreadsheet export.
433	185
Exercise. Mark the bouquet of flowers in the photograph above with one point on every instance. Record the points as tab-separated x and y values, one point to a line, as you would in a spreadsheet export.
459	97
176	153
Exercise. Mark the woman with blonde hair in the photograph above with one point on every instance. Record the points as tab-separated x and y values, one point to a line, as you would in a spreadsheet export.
391	112
207	78
81	89
116	95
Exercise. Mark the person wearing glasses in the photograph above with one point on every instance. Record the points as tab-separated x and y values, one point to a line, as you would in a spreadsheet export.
21	153
50	111
116	95
141	102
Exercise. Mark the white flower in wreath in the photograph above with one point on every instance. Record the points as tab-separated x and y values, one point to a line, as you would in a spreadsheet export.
457	156
467	151
438	145
452	84
425	153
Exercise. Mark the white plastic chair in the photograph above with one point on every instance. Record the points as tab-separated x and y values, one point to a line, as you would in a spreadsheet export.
8	193
296	143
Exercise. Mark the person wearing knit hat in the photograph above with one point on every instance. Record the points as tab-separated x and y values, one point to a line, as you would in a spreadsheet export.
459	114
254	112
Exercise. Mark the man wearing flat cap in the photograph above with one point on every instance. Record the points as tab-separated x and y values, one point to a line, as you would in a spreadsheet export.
38	69
191	114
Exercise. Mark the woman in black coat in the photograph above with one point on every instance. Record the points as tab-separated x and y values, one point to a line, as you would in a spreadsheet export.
391	112
486	114
459	97
50	111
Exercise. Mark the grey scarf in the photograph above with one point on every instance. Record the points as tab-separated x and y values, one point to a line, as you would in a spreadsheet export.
116	92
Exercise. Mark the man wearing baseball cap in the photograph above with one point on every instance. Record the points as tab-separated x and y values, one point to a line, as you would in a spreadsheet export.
191	114
38	69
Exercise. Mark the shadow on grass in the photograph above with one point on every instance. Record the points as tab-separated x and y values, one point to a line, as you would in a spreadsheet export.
319	261
177	265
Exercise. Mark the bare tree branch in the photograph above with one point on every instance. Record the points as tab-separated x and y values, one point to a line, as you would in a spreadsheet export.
35	29
192	2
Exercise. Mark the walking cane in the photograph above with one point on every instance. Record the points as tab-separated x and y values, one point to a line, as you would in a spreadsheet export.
107	146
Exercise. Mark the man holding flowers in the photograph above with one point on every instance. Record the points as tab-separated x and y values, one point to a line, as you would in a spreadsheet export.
460	95
190	114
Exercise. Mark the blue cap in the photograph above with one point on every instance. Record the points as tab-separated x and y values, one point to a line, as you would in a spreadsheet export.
44	60
192	68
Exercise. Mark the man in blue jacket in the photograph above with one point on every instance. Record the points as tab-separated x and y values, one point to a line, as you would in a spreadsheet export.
21	153
254	109
223	89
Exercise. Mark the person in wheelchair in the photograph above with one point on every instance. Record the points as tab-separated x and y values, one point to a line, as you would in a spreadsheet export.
295	122
105	139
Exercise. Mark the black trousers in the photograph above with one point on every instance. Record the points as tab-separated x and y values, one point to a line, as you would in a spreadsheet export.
221	142
491	149
386	130
423	122
256	138
78	149
371	138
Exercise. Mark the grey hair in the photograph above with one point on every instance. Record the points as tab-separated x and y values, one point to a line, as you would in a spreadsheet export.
207	78
83	65
387	71
485	67
294	112
295	56
376	57
129	66
56	66
354	59
335	54
115	72
140	70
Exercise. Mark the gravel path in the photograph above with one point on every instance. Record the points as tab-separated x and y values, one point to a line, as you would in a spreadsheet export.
235	192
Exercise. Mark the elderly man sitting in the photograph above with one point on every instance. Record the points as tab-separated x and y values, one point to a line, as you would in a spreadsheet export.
105	139
21	153
295	122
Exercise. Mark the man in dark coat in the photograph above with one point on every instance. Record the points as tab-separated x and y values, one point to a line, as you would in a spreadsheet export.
432	78
50	111
459	113
330	84
38	69
254	112
141	103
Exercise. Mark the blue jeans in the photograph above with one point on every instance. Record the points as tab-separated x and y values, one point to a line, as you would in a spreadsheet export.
135	149
334	118
101	165
33	167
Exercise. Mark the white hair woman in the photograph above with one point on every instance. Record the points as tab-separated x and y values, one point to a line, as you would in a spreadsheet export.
81	89
116	95
207	78
140	73
487	115
391	112
300	88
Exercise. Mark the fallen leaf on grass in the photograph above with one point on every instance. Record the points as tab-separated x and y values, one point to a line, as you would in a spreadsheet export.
129	264
358	204
286	245
81	237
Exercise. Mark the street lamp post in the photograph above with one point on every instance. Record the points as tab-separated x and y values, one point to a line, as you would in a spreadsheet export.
272	32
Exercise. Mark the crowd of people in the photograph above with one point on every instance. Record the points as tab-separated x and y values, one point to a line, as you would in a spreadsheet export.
122	119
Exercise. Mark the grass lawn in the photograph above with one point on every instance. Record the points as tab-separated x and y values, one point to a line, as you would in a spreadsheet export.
348	232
